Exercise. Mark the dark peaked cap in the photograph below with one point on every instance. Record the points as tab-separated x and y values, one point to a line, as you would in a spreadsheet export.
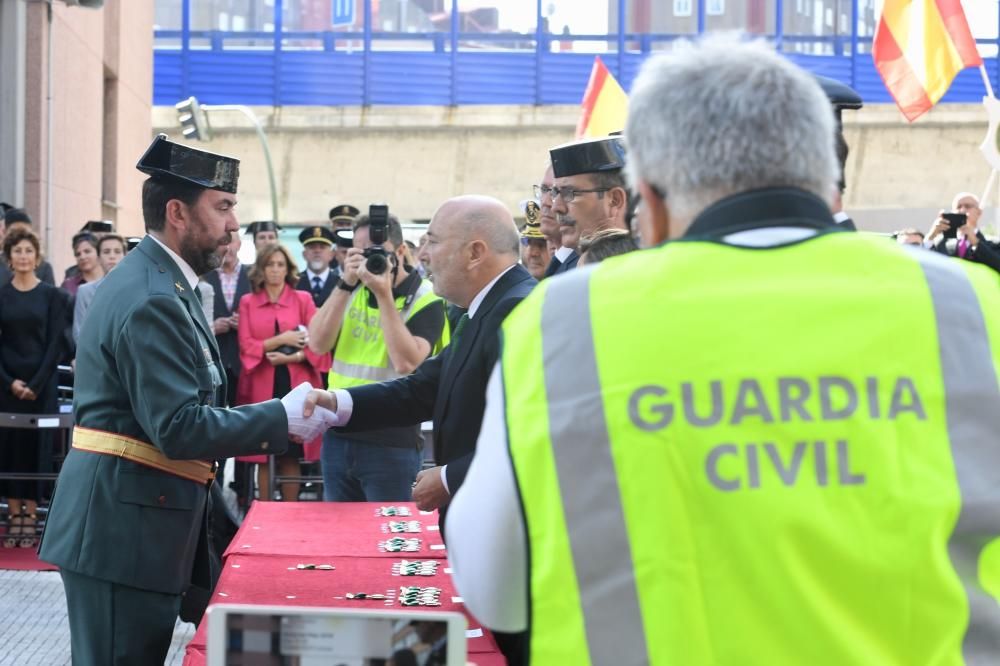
173	161
590	156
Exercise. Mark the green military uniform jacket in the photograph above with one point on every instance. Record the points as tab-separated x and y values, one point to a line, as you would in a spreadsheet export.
148	367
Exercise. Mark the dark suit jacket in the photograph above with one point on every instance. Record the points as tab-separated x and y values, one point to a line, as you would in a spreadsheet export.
229	344
449	388
148	368
986	253
567	265
324	293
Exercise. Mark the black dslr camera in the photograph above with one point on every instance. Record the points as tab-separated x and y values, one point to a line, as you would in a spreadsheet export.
376	258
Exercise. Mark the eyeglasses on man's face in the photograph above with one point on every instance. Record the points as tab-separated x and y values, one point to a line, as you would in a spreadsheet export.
568	194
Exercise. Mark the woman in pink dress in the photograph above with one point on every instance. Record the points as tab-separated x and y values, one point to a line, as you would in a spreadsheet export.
274	354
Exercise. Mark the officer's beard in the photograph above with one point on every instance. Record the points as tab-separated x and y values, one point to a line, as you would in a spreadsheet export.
202	254
318	267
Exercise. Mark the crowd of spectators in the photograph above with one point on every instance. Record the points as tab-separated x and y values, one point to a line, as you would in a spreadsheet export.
263	315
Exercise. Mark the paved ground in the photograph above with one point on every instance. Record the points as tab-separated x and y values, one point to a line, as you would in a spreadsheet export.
34	630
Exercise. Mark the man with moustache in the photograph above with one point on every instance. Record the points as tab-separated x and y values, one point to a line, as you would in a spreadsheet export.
589	193
127	525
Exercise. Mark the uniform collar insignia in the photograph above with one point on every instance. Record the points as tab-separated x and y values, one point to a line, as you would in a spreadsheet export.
180	289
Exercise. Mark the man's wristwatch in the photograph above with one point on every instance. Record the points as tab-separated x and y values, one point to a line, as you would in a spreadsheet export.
346	287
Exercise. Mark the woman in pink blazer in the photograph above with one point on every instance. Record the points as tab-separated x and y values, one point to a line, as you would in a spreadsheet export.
274	354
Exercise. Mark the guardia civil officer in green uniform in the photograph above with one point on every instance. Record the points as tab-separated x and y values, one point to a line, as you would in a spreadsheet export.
765	439
127	522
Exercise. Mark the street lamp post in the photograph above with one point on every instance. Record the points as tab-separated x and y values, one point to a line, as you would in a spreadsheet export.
193	118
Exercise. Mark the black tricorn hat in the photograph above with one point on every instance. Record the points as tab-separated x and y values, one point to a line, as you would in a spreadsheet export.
98	226
132	242
255	228
317	234
841	95
590	156
173	161
344	213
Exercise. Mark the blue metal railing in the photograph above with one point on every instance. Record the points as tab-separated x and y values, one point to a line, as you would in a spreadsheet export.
360	68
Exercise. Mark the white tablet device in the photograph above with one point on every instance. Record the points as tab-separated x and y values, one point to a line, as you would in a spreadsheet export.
250	635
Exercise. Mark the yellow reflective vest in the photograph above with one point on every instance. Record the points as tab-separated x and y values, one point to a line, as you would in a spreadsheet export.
789	455
361	356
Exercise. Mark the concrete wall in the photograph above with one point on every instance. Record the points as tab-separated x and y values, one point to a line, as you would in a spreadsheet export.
898	175
101	92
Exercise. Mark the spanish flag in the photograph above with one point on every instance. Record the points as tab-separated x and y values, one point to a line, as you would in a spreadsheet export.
605	104
919	47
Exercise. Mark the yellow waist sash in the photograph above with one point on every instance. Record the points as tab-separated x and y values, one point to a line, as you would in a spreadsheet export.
143	453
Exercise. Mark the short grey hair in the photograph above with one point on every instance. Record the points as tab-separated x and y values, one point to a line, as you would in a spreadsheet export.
723	116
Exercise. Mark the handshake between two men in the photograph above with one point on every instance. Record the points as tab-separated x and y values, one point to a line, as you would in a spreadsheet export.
312	411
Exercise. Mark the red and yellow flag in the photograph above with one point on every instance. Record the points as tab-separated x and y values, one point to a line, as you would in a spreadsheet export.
919	47
605	104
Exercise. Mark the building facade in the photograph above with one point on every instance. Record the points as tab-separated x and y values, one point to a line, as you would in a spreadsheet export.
76	88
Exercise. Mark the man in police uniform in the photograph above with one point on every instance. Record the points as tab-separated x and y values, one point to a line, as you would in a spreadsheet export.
342	221
127	523
379	326
263	233
322	273
589	193
842	97
534	246
720	487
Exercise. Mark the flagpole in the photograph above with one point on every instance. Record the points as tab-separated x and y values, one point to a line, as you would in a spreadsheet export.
984	200
986	81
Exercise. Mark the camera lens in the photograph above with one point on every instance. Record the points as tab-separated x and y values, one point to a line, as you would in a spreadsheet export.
376	264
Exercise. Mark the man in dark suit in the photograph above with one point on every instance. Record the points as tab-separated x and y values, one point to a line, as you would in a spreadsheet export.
589	193
230	283
322	272
127	525
472	252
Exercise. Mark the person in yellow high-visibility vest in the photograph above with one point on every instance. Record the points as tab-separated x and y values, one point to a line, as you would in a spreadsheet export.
765	439
380	325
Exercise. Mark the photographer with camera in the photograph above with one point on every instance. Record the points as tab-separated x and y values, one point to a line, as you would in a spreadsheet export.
957	234
381	322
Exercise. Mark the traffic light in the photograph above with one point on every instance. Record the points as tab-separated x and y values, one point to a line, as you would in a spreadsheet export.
194	122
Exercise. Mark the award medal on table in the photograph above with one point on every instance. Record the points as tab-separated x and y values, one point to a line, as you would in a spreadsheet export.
415	568
399	545
391	511
404	526
420	596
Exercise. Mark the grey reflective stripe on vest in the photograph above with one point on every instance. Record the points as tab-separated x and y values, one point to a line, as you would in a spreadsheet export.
972	401
358	371
588	483
422	290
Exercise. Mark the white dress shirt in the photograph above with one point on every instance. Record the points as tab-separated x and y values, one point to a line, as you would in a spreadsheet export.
563	253
186	270
323	277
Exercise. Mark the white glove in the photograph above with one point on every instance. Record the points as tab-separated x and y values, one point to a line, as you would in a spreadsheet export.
303	428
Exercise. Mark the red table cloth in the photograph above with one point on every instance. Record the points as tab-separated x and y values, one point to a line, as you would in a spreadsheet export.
260	565
328	529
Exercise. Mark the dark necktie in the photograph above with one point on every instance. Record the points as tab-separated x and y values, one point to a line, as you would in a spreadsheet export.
197	294
462	321
317	287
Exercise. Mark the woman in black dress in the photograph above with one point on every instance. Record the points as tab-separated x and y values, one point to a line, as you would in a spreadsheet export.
33	316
